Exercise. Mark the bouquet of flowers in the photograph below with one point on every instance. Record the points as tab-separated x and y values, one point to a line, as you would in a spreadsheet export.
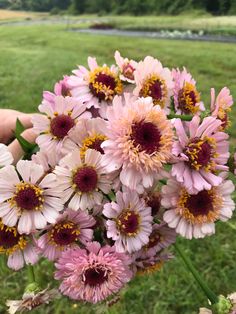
126	159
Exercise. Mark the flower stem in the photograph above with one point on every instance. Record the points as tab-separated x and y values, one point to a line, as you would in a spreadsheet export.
208	292
180	116
31	275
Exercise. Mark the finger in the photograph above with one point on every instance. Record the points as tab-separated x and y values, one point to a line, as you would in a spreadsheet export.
15	147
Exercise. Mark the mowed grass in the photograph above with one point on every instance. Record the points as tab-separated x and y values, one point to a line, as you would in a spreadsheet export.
32	58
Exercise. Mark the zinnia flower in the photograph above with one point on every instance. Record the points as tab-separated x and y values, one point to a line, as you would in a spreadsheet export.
126	67
152	80
19	248
61	88
92	274
221	106
194	215
28	198
129	221
97	86
31	300
186	96
5	156
88	134
54	127
70	228
139	141
201	150
82	181
161	237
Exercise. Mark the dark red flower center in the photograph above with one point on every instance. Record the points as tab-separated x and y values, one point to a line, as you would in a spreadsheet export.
200	153
61	125
102	82
95	276
128	71
8	237
128	223
146	136
28	198
97	145
186	99
155	203
65	91
200	204
64	233
86	179
154	239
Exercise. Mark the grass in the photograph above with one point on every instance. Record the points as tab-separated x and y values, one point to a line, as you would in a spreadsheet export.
32	58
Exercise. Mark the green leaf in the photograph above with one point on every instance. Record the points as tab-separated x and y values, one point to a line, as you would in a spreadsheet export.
19	128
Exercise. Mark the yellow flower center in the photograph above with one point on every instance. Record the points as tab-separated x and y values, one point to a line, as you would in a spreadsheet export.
128	223
64	234
93	142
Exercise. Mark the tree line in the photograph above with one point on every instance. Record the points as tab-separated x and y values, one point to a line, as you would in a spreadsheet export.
134	7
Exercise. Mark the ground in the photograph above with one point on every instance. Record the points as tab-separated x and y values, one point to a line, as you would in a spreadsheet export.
32	58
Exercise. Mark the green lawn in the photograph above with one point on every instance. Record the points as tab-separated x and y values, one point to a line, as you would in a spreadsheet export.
32	58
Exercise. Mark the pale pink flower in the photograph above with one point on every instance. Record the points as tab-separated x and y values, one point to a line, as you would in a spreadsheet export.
87	134
70	229
139	141
126	67
160	238
97	86
47	159
152	80
147	262
129	221
61	88
221	106
94	273
5	156
31	300
186	97
28	198
201	150
194	215
53	127
83	181
19	248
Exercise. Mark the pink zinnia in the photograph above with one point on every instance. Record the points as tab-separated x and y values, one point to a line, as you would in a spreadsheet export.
152	80
83	181
200	150
221	106
19	248
87	134
28	198
194	215
126	67
5	156
61	88
129	221
186	96
92	274
71	228
54	127
139	141
161	237
97	86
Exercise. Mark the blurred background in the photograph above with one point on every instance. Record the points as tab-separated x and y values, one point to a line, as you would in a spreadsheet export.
42	40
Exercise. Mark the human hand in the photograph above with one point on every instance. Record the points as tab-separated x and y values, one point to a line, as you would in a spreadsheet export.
7	129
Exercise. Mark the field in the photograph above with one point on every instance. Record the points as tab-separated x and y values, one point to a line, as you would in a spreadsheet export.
7	15
32	58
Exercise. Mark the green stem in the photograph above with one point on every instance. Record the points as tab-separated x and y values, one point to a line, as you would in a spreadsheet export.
208	292
31	275
183	117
